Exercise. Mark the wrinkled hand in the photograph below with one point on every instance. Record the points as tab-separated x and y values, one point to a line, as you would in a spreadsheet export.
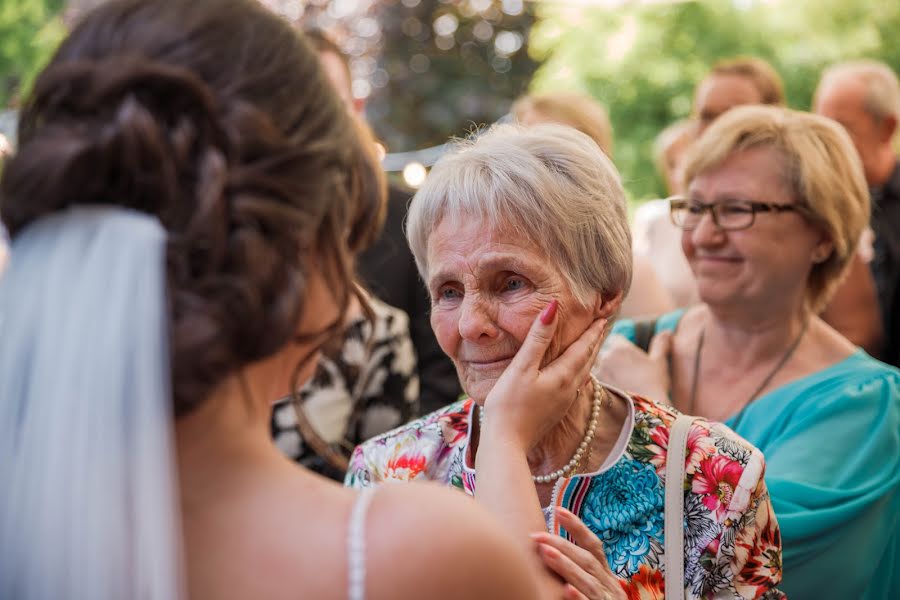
624	365
581	565
530	399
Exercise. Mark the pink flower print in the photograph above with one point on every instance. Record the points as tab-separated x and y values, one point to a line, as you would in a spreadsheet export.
699	446
405	467
407	457
455	425
716	480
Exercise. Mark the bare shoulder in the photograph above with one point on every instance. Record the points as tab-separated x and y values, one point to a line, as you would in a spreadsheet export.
426	541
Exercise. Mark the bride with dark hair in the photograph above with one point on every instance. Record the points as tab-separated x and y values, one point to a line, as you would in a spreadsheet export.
184	208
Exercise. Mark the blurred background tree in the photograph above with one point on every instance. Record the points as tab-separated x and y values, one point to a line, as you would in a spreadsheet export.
432	69
428	69
448	66
642	59
29	32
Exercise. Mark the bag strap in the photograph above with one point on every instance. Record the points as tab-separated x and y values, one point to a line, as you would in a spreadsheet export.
674	517
644	330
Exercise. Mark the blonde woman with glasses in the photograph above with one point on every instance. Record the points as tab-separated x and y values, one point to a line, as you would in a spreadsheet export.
775	205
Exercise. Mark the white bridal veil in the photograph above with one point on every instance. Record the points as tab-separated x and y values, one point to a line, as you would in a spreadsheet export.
87	482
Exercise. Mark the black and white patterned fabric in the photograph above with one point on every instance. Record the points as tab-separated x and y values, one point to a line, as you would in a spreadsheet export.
355	394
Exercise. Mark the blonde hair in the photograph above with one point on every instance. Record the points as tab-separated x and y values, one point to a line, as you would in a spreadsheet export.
764	77
549	184
821	169
573	109
882	99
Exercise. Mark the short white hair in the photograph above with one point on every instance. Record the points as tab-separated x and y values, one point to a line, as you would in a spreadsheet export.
882	96
549	184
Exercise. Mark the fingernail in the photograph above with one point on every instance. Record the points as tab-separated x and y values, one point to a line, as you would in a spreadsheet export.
549	551
549	312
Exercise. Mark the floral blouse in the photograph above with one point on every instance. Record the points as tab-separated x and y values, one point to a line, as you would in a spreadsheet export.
732	544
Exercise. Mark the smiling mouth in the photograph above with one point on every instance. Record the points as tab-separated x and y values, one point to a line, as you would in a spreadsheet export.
728	259
489	364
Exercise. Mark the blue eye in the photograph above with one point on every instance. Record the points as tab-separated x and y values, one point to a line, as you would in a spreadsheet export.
514	284
449	293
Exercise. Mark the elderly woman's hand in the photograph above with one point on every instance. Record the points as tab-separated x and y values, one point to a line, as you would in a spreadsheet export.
581	565
529	399
626	366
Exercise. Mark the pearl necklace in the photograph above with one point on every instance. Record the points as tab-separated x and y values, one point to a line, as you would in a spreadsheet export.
583	447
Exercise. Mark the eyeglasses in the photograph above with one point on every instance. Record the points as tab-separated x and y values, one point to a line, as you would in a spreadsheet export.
729	216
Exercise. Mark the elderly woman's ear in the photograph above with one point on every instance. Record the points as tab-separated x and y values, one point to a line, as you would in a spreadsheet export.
606	307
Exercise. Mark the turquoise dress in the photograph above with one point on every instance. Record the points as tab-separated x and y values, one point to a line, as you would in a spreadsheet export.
832	447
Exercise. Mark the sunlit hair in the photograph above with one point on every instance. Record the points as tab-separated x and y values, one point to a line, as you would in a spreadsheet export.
882	99
569	108
764	77
548	184
821	170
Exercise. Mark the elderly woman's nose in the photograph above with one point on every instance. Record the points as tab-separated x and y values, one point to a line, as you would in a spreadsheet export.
476	318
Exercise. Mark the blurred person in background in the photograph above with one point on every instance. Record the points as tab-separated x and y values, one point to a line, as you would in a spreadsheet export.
736	82
569	108
367	383
647	295
731	82
184	206
864	97
775	206
657	240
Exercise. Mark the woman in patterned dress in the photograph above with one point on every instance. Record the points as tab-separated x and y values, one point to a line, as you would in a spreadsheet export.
522	224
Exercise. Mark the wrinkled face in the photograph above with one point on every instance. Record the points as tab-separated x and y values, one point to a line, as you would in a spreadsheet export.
720	92
487	288
764	264
844	102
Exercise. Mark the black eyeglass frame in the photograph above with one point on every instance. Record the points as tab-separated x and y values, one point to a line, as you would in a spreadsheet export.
683	203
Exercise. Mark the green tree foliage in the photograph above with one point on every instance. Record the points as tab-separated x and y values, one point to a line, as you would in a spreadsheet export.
643	59
29	33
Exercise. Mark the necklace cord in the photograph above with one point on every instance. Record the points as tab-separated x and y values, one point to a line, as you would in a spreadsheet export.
765	382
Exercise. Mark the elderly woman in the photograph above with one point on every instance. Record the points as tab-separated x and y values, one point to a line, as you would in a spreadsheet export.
522	221
775	206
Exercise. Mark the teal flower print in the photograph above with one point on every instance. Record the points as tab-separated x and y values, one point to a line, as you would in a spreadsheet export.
625	508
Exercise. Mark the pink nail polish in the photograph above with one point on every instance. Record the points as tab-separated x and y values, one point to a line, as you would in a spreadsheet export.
550	312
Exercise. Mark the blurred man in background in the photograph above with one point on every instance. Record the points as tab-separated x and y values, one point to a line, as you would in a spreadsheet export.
864	97
735	82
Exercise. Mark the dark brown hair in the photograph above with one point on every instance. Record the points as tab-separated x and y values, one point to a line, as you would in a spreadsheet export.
214	116
323	43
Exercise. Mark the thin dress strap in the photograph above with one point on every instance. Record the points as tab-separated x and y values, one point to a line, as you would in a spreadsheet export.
356	546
